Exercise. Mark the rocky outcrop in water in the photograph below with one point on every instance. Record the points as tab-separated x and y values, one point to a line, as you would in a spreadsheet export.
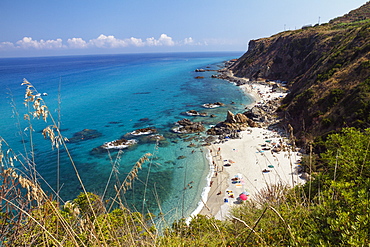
213	105
143	131
194	113
185	126
114	145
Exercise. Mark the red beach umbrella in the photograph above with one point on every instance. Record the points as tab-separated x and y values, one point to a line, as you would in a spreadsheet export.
243	197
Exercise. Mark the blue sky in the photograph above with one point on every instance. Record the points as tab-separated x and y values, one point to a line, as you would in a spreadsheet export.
69	27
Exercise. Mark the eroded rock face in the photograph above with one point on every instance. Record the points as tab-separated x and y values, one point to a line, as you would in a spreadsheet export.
187	127
264	113
238	118
232	125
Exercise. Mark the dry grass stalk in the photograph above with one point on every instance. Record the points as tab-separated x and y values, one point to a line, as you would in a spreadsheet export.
31	95
251	229
127	182
272	194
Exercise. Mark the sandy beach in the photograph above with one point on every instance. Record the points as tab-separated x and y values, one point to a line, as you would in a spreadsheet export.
260	158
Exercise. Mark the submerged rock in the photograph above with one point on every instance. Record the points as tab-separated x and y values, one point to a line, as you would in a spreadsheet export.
83	135
152	138
200	70
191	145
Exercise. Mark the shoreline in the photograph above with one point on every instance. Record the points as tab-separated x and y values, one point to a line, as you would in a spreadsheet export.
242	166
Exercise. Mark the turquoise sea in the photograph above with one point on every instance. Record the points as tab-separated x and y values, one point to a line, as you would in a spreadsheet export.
115	95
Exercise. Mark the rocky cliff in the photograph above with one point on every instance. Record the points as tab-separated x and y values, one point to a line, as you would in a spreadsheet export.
327	70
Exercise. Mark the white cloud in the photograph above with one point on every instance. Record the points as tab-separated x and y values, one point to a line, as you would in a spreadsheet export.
135	42
103	41
188	41
110	41
28	42
76	43
191	41
166	40
6	46
151	42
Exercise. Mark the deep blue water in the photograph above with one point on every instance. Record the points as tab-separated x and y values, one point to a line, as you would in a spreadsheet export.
116	94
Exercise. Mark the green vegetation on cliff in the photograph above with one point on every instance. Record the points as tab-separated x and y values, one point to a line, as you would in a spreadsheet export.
327	68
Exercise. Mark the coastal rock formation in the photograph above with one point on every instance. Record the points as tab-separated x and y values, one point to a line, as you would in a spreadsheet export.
238	118
115	145
213	105
144	131
327	71
119	144
83	135
194	113
264	113
200	70
232	125
187	127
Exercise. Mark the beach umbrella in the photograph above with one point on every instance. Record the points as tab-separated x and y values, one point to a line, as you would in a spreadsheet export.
243	197
245	193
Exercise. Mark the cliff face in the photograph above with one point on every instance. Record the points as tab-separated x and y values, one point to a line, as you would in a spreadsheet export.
327	68
284	56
